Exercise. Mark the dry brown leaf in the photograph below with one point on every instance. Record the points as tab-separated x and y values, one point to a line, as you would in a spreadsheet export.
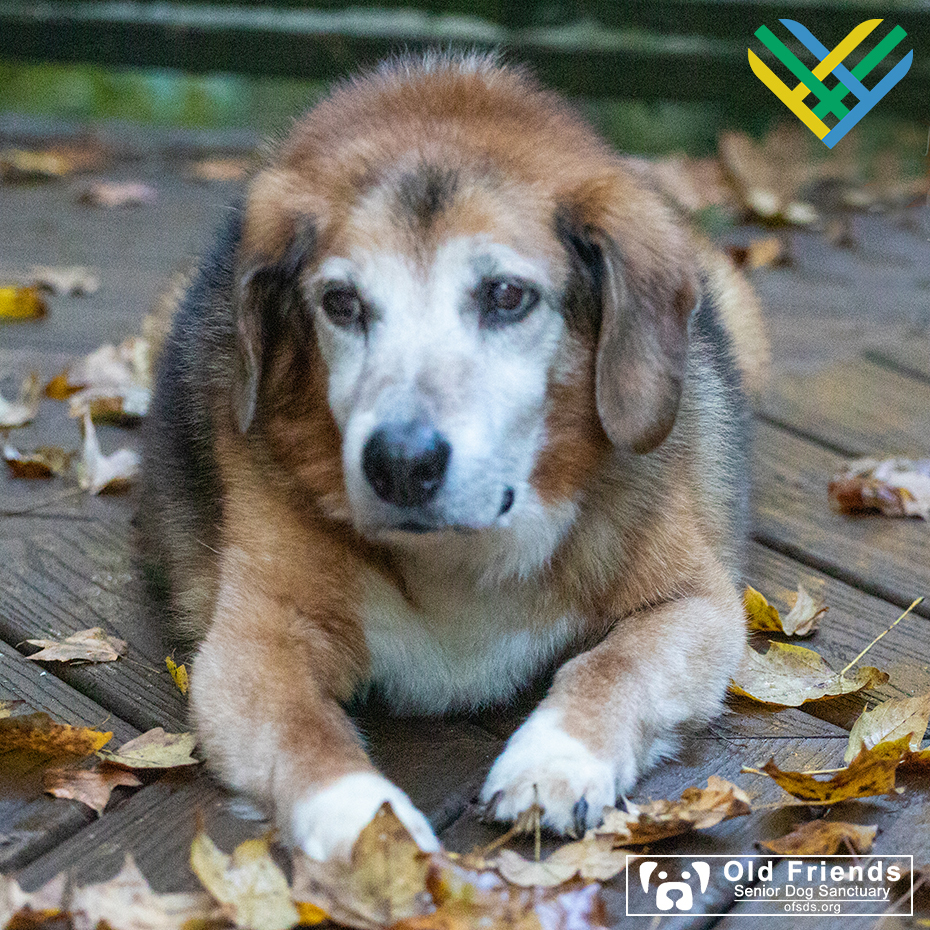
889	721
222	169
764	617
23	410
593	858
178	674
92	787
73	280
112	194
127	902
99	473
40	734
44	462
823	838
790	675
872	772
91	645
760	253
154	749
895	487
21	303
30	909
113	382
696	809
248	884
383	882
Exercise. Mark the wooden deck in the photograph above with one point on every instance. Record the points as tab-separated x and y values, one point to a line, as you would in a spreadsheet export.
852	363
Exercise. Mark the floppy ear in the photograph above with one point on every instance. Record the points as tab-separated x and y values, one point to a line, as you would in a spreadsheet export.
275	247
645	278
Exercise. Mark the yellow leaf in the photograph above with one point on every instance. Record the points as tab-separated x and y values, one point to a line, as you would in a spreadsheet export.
251	887
154	749
40	734
763	617
872	772
791	675
310	914
179	674
21	303
889	721
824	838
696	809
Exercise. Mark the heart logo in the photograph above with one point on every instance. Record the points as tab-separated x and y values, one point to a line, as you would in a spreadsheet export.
831	101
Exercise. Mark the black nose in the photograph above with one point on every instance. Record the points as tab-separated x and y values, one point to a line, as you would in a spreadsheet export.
406	463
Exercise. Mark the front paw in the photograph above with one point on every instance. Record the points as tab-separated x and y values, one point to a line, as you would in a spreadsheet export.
544	764
327	823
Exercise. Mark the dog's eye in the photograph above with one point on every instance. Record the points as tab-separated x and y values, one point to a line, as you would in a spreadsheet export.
504	300
343	305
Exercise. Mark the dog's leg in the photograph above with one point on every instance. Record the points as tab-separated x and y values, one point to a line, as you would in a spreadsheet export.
265	692
614	711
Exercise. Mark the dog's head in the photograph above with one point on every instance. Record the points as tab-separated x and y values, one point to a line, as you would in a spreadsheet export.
485	301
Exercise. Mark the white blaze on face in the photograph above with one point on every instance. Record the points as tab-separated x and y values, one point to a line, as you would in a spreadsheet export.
425	356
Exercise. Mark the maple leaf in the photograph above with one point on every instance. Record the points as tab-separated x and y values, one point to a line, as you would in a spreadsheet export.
823	838
248	884
21	303
127	902
92	787
40	734
178	674
872	772
44	462
91	645
98	472
23	410
696	809
154	749
30	908
383	881
888	721
895	487
593	858
790	675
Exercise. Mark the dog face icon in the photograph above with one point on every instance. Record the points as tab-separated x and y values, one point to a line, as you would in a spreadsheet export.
665	899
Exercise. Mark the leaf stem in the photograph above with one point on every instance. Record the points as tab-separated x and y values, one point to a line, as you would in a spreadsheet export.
880	635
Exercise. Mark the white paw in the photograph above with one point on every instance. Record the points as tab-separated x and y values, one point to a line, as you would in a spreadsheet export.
545	764
327	823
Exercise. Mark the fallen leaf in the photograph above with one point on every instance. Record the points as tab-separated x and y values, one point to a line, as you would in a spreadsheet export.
113	382
248	884
21	303
764	617
179	674
73	281
895	487
696	809
222	169
91	645
790	675
22	411
98	472
55	162
154	749
30	909
888	721
127	902
40	734
693	184
92	787
769	176
760	253
593	858
7	707
383	882
872	772
112	194
823	838
44	462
